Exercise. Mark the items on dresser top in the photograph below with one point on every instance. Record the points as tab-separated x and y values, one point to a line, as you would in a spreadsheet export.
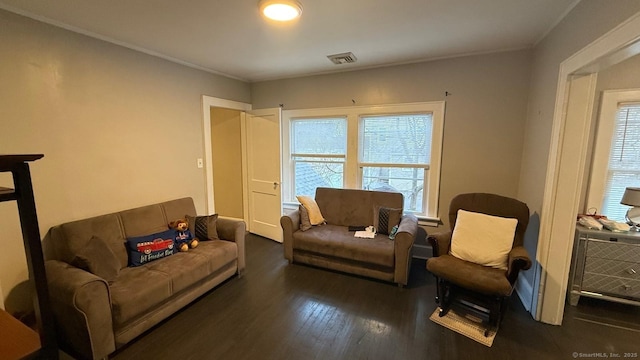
600	221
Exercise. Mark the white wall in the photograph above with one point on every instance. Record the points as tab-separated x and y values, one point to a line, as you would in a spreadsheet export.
589	20
485	113
118	129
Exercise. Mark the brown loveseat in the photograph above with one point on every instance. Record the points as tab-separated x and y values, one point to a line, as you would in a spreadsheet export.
94	316
333	246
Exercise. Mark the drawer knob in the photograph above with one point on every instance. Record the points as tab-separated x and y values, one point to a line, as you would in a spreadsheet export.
632	271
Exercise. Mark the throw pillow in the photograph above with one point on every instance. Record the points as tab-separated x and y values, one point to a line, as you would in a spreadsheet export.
483	239
315	216
305	223
97	258
384	219
143	249
204	227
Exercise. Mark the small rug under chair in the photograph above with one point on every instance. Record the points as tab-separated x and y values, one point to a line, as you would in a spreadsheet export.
468	326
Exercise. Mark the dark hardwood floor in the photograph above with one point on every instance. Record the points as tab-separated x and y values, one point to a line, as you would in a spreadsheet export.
282	311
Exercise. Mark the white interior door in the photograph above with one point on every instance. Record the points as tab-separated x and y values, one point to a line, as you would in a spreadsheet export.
263	172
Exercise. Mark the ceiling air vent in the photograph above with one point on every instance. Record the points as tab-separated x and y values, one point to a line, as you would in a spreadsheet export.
344	58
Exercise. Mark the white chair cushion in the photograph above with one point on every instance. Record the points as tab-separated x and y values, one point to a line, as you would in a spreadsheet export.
483	239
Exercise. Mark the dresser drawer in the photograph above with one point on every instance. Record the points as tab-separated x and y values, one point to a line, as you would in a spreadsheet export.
617	268
613	250
611	285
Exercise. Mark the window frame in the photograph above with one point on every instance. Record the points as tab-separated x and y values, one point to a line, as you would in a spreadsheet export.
353	172
603	141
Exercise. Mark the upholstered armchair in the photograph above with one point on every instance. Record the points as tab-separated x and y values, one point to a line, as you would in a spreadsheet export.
482	289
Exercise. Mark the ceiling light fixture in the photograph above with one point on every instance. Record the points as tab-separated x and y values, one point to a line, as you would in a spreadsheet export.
281	10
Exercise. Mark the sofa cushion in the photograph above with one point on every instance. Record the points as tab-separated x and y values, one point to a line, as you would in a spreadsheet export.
144	249
97	258
315	216
218	252
136	291
187	268
144	220
385	218
71	237
177	209
471	276
204	227
337	241
348	207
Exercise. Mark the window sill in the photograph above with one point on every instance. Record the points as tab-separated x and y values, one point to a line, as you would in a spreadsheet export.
428	221
290	205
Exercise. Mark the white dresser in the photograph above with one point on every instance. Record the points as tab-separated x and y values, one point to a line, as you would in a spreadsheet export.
605	265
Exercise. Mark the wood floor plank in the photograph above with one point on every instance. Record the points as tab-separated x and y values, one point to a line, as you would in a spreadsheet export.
282	311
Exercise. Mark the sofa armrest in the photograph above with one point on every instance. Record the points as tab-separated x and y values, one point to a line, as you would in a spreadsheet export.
440	243
518	260
403	243
234	230
82	309
290	223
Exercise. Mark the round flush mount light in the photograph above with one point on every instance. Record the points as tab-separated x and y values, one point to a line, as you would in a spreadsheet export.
281	10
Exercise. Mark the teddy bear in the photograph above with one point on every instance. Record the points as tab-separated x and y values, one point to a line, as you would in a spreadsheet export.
184	239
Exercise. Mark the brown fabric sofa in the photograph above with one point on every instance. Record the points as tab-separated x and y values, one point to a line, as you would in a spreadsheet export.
94	317
333	246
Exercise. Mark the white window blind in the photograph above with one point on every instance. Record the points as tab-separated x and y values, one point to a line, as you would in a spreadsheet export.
624	160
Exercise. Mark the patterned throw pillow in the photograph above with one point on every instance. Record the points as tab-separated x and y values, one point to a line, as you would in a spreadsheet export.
204	227
143	249
305	223
384	219
97	258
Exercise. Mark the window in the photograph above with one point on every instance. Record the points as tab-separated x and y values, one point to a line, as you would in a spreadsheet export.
385	148
318	154
624	160
617	153
395	155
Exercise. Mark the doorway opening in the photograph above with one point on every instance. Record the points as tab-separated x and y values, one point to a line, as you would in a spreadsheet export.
242	156
223	133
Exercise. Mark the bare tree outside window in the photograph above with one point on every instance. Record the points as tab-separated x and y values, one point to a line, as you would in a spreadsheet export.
318	154
395	155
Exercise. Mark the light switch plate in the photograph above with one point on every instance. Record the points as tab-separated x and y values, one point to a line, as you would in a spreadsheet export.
200	163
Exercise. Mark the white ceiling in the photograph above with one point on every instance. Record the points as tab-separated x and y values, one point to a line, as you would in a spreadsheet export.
231	38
